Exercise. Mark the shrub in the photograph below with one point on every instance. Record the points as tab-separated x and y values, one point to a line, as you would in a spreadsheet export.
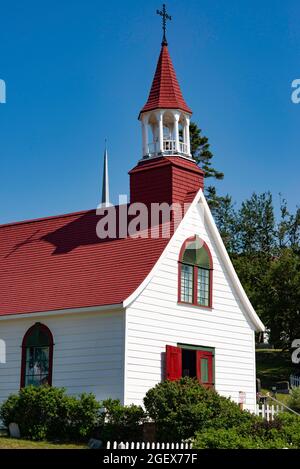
83	416
233	438
181	408
121	423
289	428
48	413
294	399
282	432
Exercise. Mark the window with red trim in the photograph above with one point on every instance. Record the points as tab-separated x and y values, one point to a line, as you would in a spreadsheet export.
37	356
195	273
193	362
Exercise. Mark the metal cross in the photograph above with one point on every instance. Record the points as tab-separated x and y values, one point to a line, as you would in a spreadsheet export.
165	17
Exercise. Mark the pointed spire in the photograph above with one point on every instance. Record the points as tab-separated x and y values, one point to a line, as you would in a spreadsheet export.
105	183
165	91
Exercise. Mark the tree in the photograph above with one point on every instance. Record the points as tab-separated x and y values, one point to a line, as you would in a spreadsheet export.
281	298
225	216
266	254
200	149
256	225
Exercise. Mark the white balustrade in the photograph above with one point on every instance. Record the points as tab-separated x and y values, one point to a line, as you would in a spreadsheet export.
169	147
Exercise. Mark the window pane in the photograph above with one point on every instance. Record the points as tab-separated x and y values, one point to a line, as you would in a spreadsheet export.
37	337
204	370
203	287
37	366
196	254
187	283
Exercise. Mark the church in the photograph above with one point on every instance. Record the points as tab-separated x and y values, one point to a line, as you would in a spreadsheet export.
116	315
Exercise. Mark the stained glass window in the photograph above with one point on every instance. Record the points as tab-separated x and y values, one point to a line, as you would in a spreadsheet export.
37	356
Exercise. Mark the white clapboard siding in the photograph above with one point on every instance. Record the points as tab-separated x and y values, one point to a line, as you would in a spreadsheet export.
155	319
88	352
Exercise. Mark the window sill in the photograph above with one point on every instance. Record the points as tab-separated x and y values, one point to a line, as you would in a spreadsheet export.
194	305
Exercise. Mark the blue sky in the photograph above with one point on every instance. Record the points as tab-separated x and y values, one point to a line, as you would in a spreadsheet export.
78	72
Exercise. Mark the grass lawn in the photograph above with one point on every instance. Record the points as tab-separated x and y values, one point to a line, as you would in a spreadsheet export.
273	366
11	443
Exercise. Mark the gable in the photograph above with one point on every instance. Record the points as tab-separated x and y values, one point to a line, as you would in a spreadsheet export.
198	220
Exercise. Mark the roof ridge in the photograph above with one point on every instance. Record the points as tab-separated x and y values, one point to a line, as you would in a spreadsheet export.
50	217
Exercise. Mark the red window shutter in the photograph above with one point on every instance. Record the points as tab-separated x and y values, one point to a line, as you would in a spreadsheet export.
173	363
204	367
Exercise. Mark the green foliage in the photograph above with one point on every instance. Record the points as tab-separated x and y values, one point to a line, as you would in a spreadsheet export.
121	423
266	256
280	302
273	366
180	408
283	432
294	399
234	439
257	245
183	409
48	413
289	428
256	225
200	149
225	217
83	416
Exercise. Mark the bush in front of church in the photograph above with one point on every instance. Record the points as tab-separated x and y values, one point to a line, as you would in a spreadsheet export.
47	413
282	432
120	423
183	407
236	438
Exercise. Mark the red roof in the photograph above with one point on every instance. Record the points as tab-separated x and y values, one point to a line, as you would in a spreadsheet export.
165	92
60	263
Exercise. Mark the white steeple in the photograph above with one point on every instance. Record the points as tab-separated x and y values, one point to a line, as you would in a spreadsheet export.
105	183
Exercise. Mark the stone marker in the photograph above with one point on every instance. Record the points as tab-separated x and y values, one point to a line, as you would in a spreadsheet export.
283	387
14	430
95	444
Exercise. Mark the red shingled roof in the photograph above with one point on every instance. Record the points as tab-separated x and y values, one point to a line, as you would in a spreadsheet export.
59	263
165	92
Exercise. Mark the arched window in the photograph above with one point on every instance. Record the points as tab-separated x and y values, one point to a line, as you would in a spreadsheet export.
37	356
195	273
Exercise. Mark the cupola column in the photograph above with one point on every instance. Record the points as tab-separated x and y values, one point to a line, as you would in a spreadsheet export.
160	117
187	136
145	121
176	131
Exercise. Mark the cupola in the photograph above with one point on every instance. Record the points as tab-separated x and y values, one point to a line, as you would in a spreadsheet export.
165	117
167	171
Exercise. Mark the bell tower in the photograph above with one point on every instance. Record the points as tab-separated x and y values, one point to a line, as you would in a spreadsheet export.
166	171
165	118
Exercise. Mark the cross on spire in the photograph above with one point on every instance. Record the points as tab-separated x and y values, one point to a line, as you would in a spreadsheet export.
165	17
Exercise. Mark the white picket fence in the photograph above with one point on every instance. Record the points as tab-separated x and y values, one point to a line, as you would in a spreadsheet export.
267	411
294	381
143	445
